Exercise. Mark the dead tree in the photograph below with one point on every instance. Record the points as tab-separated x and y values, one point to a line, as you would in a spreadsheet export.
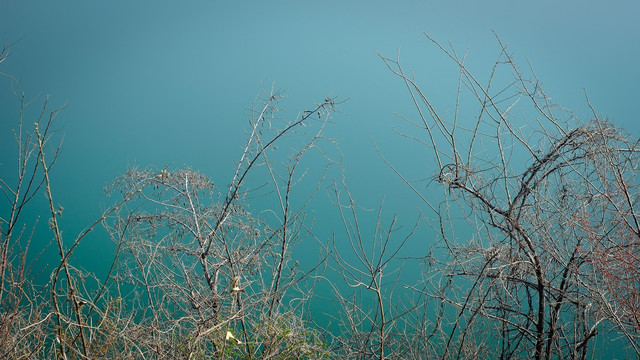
376	316
211	270
532	200
25	314
200	270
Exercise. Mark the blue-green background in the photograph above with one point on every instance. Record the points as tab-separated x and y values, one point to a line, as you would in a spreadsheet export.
169	82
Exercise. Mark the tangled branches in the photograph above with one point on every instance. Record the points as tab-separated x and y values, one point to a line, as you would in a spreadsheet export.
533	204
197	272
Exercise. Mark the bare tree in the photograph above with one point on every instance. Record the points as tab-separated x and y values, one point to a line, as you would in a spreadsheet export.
24	314
207	272
532	202
199	272
376	314
536	219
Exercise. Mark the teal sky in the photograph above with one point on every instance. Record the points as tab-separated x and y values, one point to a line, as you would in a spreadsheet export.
169	82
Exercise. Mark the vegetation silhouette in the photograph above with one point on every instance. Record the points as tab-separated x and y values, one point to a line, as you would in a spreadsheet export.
534	214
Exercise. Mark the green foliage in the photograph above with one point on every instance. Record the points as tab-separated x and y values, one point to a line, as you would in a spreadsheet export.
285	337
